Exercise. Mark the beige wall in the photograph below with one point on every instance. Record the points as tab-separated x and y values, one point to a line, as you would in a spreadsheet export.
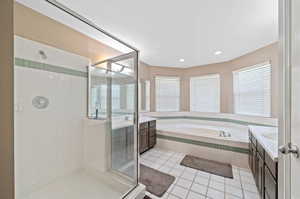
6	100
268	53
37	27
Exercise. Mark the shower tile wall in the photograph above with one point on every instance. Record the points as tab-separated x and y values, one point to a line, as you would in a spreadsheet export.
48	142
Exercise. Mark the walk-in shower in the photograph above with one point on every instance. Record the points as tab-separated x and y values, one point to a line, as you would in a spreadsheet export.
112	92
76	107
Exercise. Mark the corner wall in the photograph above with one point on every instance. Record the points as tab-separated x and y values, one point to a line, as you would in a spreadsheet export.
6	101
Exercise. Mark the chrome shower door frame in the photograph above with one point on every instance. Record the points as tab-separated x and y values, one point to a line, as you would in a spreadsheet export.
132	55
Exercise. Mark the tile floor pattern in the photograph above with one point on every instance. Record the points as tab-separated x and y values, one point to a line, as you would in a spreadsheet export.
194	184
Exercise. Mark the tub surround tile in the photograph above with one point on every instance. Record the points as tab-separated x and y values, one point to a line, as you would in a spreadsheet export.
48	67
205	144
218	117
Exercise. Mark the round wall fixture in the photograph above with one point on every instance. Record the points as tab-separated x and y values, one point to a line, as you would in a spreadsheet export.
40	102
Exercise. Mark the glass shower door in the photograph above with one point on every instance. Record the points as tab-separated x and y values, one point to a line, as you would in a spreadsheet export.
122	114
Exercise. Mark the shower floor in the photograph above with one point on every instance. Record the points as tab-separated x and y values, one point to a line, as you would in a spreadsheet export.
77	186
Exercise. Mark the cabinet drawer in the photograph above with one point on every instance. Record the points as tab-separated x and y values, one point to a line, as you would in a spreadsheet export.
270	185
144	125
272	165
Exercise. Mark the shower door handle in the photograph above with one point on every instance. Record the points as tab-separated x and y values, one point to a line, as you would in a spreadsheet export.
289	149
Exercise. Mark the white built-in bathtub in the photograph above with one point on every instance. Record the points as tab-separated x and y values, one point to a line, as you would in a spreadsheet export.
202	134
208	129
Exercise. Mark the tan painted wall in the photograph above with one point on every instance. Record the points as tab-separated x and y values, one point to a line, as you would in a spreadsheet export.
6	101
268	53
37	27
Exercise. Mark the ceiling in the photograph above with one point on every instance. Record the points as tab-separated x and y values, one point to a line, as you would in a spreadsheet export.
169	30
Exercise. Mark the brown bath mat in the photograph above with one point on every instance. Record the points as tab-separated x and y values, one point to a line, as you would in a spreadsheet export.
156	182
210	166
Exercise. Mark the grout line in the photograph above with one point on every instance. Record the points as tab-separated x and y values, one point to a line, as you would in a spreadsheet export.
241	183
209	179
189	190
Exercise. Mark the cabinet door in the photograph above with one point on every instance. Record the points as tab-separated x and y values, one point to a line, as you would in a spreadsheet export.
270	185
152	141
254	164
143	134
250	156
152	137
260	175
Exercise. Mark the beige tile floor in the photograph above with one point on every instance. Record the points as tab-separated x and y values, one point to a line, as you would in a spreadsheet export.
194	184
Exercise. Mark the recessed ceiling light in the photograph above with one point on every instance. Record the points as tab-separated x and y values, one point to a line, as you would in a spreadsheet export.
218	52
181	60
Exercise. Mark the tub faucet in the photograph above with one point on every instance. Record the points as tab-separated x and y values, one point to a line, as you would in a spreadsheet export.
224	134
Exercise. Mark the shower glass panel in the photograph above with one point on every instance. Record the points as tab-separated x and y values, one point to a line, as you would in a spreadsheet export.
123	109
113	85
113	92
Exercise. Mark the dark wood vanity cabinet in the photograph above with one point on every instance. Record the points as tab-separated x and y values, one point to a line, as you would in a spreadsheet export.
147	135
270	185
264	169
144	140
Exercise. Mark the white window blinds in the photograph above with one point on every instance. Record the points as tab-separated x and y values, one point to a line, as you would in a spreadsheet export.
167	93
252	90
130	94
115	97
147	95
205	93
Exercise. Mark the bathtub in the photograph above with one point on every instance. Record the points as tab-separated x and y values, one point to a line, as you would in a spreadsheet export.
207	129
202	134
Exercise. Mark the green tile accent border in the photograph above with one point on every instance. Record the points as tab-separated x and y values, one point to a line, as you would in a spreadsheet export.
214	119
48	67
205	144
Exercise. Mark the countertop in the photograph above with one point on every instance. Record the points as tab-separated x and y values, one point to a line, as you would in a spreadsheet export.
125	123
117	123
268	138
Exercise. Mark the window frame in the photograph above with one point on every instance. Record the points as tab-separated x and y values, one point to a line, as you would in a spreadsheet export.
244	69
206	76
156	92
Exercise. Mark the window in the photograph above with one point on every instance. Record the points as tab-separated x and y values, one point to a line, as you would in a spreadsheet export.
252	90
98	100
130	95
147	95
167	93
205	93
115	97
144	95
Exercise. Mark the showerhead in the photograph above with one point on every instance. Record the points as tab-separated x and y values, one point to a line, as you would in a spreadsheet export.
42	54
